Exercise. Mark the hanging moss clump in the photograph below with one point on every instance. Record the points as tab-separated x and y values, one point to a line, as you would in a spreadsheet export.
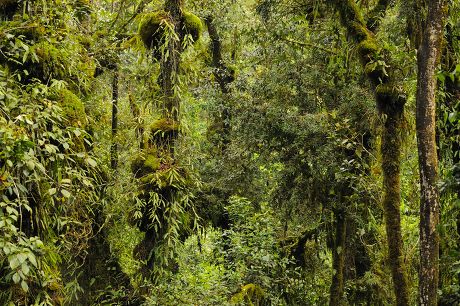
250	294
368	49
163	131
73	115
145	163
390	99
51	62
151	29
44	61
191	25
153	26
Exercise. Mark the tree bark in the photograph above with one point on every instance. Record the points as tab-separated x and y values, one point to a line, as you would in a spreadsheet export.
391	152
114	146
338	259
428	58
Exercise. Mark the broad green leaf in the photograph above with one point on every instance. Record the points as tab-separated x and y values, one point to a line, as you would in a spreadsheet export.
65	193
16	278
24	286
14	263
91	162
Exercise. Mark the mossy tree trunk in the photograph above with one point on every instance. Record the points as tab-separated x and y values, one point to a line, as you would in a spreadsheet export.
164	145
170	61
136	113
338	259
428	57
101	270
224	76
114	146
391	152
390	101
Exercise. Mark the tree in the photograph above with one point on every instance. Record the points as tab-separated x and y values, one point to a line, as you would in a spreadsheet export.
428	58
390	100
164	184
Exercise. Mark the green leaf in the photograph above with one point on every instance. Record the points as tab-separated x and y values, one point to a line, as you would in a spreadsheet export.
30	164
25	268
16	278
24	286
32	259
22	257
52	191
50	148
14	263
91	162
65	193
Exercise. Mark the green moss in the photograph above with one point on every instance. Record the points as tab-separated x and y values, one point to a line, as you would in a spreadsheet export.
52	62
164	125
152	162
368	49
162	132
375	72
390	99
151	29
360	32
73	108
250	294
87	65
146	163
192	25
385	90
353	12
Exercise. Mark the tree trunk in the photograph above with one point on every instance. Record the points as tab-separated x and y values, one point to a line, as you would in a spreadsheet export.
224	76
114	146
338	259
390	102
170	62
164	146
428	58
391	152
136	112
